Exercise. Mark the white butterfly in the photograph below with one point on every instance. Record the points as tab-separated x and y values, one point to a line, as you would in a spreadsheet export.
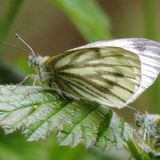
113	73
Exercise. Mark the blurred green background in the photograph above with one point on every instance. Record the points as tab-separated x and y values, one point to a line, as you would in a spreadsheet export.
53	26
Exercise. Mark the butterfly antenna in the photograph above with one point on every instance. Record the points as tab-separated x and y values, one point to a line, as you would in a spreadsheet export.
12	45
136	110
32	51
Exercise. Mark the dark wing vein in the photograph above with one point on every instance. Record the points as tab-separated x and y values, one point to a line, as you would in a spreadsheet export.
107	75
82	65
92	86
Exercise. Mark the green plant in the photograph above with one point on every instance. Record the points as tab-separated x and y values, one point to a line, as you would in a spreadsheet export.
37	116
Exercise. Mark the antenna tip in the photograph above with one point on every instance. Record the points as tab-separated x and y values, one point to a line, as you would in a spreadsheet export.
18	36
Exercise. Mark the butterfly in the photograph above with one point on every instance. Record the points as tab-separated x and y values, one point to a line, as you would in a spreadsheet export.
112	73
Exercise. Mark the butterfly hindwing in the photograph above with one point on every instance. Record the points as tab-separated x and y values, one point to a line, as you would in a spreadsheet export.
107	75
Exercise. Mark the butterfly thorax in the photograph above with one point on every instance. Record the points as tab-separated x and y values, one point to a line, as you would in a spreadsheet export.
43	72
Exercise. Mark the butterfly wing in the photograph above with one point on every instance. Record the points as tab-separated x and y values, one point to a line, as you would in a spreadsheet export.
148	52
107	75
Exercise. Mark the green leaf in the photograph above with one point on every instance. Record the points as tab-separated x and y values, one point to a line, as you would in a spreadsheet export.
15	147
138	152
88	17
37	111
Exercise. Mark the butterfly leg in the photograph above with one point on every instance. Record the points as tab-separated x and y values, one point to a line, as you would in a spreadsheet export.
35	80
34	83
61	93
35	77
22	82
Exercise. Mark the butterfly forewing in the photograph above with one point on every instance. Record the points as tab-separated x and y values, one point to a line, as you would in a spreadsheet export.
107	75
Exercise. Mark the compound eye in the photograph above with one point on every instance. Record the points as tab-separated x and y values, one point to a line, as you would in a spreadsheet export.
32	61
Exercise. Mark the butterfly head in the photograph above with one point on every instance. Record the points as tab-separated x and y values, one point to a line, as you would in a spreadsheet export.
32	58
37	62
33	61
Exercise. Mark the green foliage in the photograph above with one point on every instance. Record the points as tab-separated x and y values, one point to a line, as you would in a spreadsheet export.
15	147
137	152
7	21
38	111
151	32
88	17
42	111
150	19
